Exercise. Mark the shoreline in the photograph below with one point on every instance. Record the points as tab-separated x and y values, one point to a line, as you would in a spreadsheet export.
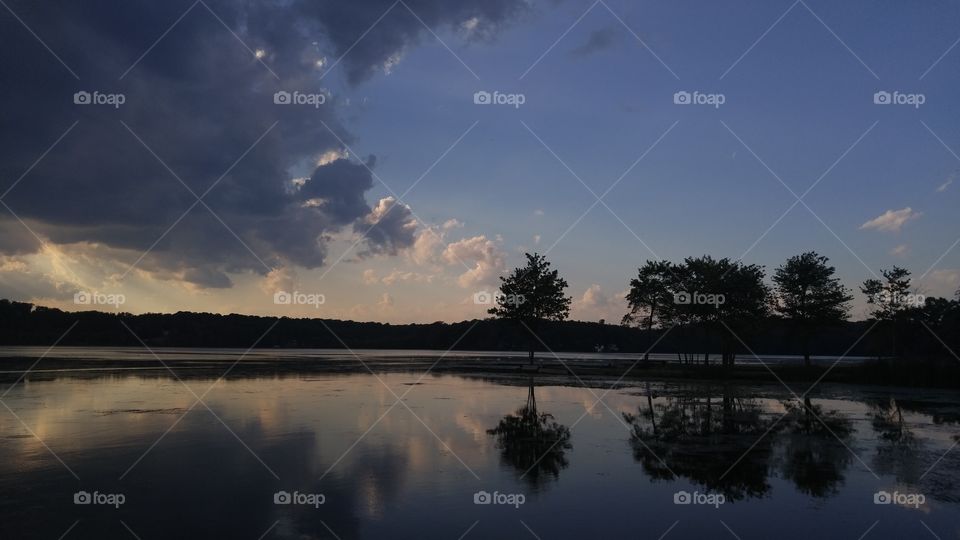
617	371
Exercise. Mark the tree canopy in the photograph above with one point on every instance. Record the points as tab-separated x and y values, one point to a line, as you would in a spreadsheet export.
808	293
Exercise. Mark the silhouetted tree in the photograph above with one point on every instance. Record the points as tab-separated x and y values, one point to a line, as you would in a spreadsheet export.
650	296
809	295
531	294
721	295
891	299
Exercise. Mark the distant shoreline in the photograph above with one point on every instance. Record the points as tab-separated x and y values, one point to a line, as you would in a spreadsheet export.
564	370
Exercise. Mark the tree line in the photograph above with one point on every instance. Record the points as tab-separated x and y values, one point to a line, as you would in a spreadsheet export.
726	302
692	309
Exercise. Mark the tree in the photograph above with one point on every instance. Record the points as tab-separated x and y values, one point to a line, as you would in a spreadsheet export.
890	297
650	295
808	294
720	295
531	294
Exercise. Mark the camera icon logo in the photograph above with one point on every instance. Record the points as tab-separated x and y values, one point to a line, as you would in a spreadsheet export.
682	297
82	298
882	98
282	497
482	97
482	497
482	298
82	497
281	97
82	98
681	98
882	497
282	297
682	497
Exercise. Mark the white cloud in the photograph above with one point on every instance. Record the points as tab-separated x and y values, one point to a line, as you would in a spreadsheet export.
11	264
385	300
486	257
593	297
330	156
279	279
452	224
370	276
900	251
943	187
398	275
426	247
538	212
595	304
891	220
536	239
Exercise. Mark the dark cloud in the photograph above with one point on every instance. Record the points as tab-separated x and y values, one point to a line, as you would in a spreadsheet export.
388	228
599	40
204	104
341	23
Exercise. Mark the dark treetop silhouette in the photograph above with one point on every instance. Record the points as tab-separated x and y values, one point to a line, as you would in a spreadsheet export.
532	294
735	299
809	295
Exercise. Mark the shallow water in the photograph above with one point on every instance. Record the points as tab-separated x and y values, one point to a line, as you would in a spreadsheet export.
755	462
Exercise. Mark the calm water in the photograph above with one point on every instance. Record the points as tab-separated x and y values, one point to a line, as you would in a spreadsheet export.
760	465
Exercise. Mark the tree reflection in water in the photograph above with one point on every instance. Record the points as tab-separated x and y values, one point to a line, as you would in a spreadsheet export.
532	442
729	445
815	452
898	448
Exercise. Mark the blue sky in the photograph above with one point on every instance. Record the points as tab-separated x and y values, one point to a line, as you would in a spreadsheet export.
798	83
799	99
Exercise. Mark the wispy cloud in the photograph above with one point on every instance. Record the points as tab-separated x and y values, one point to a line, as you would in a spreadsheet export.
891	220
943	187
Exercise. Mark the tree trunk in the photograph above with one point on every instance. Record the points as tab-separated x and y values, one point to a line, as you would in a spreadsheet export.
532	327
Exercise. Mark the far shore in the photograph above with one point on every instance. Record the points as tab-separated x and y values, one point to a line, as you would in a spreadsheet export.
561	370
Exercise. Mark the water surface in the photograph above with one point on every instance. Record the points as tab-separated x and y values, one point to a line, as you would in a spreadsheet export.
412	469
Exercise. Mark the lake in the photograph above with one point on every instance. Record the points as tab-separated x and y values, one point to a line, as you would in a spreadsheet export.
135	455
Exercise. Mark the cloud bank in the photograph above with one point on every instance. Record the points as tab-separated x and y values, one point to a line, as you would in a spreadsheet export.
199	119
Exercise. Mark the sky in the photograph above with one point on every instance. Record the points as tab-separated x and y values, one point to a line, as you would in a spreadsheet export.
388	160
